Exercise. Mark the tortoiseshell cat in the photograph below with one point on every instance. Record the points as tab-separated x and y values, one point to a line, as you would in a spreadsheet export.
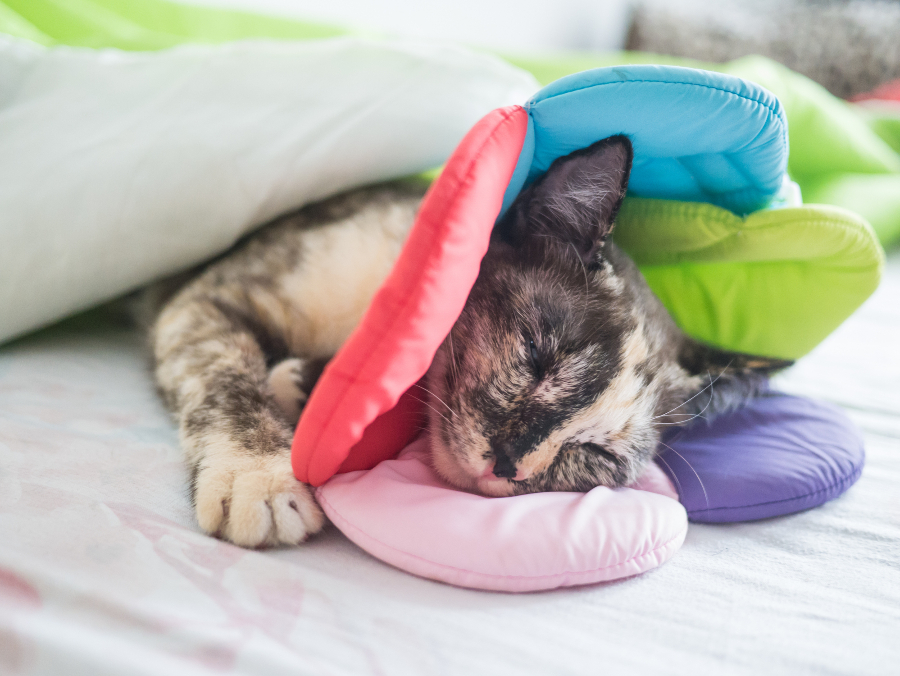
558	375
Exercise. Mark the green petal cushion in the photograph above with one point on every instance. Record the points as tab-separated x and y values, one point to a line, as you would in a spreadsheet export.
873	196
143	24
728	280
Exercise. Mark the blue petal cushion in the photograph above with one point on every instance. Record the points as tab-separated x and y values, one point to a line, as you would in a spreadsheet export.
778	455
698	136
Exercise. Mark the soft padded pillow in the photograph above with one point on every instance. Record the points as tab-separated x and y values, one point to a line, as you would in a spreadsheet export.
117	168
404	514
668	113
412	312
776	282
777	455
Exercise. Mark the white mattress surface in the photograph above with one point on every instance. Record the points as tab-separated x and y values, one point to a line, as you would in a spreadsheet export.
103	570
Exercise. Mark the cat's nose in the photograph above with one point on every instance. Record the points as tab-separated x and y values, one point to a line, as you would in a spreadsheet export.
504	468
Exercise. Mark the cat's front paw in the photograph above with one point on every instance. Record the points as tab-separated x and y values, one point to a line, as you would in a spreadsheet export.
256	503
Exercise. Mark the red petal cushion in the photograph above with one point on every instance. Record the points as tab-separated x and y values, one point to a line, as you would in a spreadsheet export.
352	420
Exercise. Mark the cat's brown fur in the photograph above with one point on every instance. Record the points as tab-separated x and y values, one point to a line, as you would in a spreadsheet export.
557	375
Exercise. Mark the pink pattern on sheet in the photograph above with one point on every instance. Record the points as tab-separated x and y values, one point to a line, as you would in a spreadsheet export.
18	597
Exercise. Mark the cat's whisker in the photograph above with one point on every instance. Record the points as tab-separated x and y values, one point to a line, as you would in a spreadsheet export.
705	494
454	366
709	386
422	401
680	423
587	283
672	472
548	236
695	415
425	389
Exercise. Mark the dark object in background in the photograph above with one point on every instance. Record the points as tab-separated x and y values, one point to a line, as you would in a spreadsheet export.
849	46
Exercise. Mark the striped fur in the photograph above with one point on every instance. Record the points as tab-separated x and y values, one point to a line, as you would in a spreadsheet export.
238	348
557	376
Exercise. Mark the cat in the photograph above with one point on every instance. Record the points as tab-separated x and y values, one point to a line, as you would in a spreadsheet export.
564	367
559	374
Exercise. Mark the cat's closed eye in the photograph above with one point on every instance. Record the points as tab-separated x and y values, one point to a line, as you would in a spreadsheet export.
598	450
534	357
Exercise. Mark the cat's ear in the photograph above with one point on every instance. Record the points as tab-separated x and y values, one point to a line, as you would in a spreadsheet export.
574	204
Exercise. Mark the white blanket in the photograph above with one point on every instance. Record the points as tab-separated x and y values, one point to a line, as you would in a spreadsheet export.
117	168
103	570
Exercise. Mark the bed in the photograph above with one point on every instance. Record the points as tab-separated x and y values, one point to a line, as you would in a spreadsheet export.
104	571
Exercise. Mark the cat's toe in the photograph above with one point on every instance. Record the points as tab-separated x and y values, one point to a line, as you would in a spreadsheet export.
256	504
296	514
270	508
212	495
249	514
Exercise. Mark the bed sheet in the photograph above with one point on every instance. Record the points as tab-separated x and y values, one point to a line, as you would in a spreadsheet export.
103	569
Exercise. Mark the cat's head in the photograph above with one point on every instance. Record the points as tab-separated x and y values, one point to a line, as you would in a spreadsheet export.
563	366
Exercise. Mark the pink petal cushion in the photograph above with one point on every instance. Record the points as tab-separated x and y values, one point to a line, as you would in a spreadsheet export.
403	513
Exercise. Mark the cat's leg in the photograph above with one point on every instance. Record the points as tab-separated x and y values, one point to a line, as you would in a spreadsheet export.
212	373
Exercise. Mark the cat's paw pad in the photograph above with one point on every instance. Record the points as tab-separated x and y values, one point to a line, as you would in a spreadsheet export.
256	505
290	383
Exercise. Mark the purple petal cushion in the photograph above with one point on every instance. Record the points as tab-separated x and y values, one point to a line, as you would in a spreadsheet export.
778	455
